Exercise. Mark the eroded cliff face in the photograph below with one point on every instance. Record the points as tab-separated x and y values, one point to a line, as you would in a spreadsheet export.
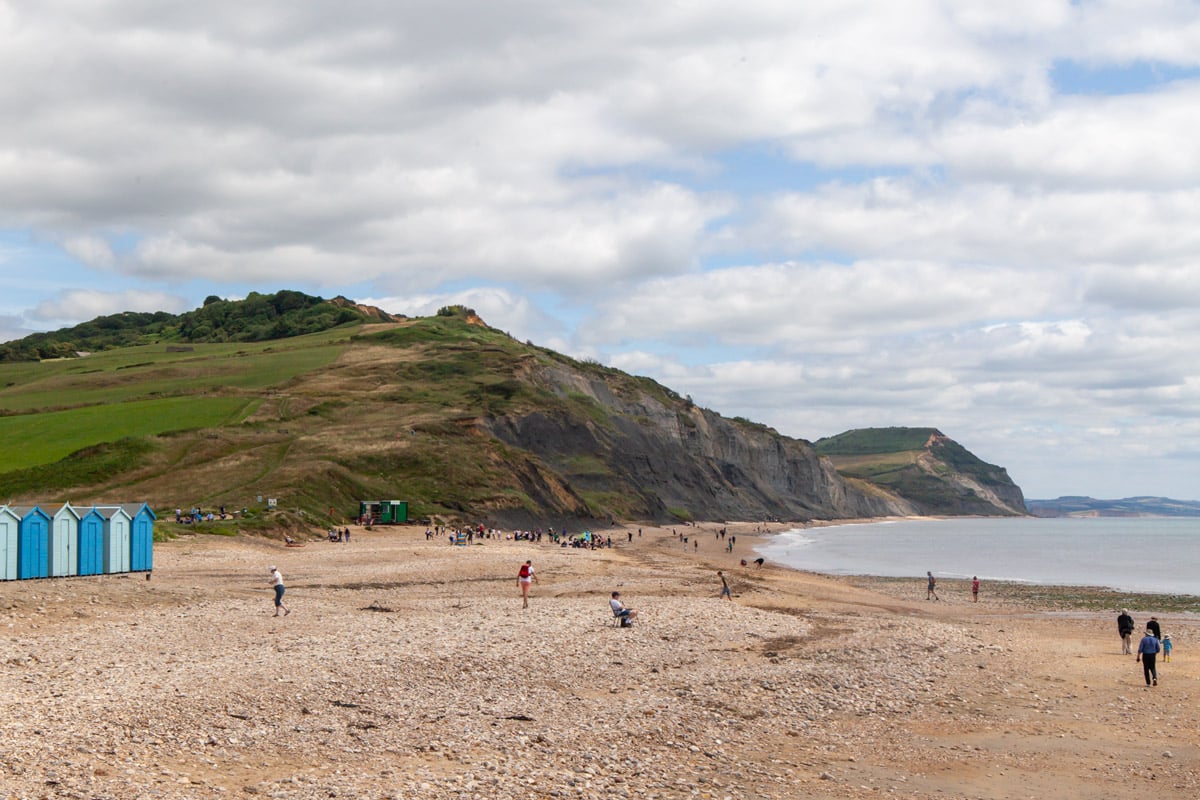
983	488
660	456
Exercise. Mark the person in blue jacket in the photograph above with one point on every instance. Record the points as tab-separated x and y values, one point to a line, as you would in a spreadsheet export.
1147	653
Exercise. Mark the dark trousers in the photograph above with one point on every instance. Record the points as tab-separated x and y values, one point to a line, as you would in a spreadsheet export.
1148	667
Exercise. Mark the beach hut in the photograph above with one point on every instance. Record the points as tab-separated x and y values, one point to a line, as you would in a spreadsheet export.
141	536
383	512
33	540
10	523
91	542
64	542
117	524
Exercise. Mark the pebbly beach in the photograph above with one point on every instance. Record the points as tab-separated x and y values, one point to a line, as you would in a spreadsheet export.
408	668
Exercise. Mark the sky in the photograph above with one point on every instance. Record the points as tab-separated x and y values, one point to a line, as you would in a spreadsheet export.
976	216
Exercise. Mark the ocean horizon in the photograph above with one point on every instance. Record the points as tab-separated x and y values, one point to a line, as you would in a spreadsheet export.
1158	555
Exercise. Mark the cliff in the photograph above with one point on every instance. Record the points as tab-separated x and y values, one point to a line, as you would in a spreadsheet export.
454	416
648	454
934	473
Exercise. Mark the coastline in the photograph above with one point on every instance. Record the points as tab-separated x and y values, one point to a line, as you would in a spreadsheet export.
1024	556
408	669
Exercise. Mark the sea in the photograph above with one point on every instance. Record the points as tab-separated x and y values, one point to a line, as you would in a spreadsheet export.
1132	554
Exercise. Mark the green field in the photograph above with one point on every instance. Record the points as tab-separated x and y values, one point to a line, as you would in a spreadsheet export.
150	371
55	408
867	441
875	467
29	440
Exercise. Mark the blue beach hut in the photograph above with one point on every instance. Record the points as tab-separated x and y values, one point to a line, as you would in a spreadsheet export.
116	538
141	536
33	540
10	523
64	542
91	543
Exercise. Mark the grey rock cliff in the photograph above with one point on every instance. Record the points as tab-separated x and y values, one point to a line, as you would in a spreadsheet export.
657	456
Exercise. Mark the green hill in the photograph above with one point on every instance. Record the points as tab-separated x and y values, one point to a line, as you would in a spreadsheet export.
257	318
455	417
925	466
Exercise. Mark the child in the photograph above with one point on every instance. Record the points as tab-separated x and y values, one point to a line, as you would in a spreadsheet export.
1166	643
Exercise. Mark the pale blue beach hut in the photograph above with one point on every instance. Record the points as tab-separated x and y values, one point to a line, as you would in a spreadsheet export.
141	536
91	542
64	542
10	523
33	540
117	523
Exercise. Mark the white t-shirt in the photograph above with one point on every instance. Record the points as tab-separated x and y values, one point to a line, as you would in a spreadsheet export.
617	605
276	578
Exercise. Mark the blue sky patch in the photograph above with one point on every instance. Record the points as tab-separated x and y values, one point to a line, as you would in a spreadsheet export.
1076	77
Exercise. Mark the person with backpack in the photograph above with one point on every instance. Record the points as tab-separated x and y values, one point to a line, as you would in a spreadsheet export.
525	577
1125	631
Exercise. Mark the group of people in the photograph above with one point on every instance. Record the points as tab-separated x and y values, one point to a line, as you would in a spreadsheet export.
336	535
472	533
196	514
1153	643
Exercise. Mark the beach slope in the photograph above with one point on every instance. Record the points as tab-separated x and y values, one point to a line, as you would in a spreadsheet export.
408	669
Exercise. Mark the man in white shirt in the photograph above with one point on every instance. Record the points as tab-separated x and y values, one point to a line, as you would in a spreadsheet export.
626	615
277	582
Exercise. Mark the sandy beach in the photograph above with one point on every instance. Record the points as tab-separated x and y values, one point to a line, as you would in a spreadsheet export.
408	669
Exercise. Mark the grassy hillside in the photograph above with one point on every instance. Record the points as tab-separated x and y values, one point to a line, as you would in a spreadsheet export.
455	417
867	441
924	465
363	411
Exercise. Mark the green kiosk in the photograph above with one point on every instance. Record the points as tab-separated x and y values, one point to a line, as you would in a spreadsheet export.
383	512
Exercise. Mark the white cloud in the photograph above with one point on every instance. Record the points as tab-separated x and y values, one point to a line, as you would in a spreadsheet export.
91	250
498	307
1127	142
12	327
987	256
798	307
79	305
1029	230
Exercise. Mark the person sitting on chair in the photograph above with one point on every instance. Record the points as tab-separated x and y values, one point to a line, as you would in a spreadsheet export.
626	615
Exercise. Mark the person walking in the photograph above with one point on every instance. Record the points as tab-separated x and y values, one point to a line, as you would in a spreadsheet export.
1147	653
930	590
1125	631
277	582
525	578
724	586
975	589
